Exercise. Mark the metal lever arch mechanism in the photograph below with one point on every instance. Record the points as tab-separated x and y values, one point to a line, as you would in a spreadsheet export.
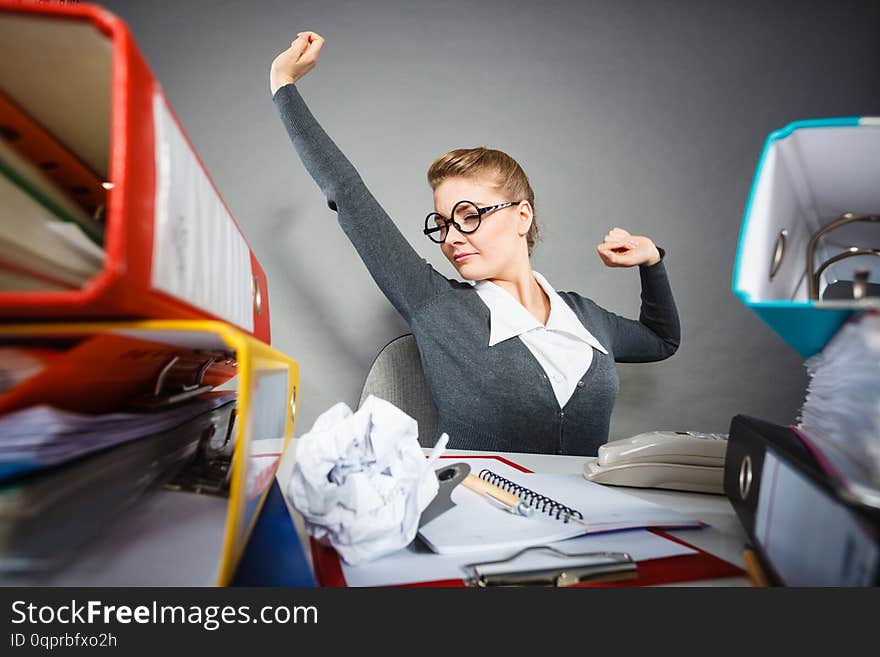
164	394
814	275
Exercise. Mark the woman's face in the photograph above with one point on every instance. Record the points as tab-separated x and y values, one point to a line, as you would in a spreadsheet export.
494	247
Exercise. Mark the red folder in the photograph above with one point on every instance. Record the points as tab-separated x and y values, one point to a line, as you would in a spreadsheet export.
683	568
173	249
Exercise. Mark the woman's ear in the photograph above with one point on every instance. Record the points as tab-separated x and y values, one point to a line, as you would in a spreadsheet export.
525	218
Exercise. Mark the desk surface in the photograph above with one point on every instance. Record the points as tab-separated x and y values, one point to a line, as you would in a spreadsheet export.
724	536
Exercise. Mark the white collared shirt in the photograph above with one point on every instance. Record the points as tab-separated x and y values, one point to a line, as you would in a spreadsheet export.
563	347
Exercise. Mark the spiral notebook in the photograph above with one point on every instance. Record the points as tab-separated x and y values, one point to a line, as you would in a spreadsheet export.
565	506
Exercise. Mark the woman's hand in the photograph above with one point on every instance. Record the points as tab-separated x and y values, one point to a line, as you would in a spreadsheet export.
620	249
296	61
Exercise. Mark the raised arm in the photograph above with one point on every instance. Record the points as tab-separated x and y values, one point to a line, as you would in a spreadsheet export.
657	333
406	279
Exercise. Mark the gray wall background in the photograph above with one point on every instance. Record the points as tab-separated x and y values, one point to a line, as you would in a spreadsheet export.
646	115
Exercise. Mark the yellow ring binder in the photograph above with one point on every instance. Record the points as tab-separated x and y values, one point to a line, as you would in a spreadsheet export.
261	406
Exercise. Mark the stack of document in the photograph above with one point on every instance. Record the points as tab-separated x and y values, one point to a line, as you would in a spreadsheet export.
841	412
47	241
41	436
46	515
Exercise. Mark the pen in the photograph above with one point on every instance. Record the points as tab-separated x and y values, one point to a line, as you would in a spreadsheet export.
497	496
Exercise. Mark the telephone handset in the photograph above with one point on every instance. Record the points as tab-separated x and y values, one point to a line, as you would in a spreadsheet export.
678	460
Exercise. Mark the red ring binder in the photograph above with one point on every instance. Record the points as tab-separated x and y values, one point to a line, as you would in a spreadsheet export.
167	255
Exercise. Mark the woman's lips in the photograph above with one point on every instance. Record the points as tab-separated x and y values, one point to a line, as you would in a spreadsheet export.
461	257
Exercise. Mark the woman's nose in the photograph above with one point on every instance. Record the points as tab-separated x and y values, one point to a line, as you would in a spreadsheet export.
453	235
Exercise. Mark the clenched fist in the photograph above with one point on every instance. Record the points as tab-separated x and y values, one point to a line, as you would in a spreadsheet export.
296	61
620	249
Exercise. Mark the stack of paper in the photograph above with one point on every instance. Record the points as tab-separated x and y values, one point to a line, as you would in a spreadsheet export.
44	235
45	517
42	436
841	412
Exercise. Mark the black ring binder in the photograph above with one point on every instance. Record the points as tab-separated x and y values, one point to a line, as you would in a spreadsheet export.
533	499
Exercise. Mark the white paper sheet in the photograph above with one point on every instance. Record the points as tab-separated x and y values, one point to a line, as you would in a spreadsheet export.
411	565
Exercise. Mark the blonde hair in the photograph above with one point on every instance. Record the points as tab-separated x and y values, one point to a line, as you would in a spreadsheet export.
496	165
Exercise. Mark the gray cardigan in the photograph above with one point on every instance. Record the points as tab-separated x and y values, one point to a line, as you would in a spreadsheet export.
490	398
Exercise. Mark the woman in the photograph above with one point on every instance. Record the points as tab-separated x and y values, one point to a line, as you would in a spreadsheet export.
512	365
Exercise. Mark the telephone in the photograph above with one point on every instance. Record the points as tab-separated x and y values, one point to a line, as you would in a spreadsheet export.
678	460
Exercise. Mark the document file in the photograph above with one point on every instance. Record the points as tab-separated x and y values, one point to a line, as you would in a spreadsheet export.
266	386
172	248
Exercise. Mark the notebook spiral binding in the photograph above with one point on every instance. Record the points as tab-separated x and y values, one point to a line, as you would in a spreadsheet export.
533	499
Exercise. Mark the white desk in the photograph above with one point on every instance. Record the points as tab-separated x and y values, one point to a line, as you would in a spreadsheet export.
724	536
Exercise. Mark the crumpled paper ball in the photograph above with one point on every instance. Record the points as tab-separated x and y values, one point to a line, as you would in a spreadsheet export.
361	480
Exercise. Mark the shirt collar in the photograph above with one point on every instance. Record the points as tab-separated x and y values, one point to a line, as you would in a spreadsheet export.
509	318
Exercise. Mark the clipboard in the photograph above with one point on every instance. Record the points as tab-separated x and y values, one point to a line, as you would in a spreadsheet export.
267	385
172	248
569	569
691	567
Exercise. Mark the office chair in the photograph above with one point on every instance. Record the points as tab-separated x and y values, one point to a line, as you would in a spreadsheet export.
396	376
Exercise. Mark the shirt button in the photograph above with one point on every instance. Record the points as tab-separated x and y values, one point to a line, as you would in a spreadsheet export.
557	377
581	384
561	414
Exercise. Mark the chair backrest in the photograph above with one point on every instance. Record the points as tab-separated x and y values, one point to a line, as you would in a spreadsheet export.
396	376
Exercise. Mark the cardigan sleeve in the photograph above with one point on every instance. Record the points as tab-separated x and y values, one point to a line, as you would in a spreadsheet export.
657	333
406	279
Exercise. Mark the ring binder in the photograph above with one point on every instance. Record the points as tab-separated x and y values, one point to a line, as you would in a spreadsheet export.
812	177
785	497
238	462
172	248
533	499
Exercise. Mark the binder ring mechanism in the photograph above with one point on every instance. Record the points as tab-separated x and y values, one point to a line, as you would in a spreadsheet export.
209	468
571	569
165	394
860	282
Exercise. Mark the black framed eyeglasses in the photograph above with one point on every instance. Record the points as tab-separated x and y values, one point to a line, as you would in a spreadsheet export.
466	218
